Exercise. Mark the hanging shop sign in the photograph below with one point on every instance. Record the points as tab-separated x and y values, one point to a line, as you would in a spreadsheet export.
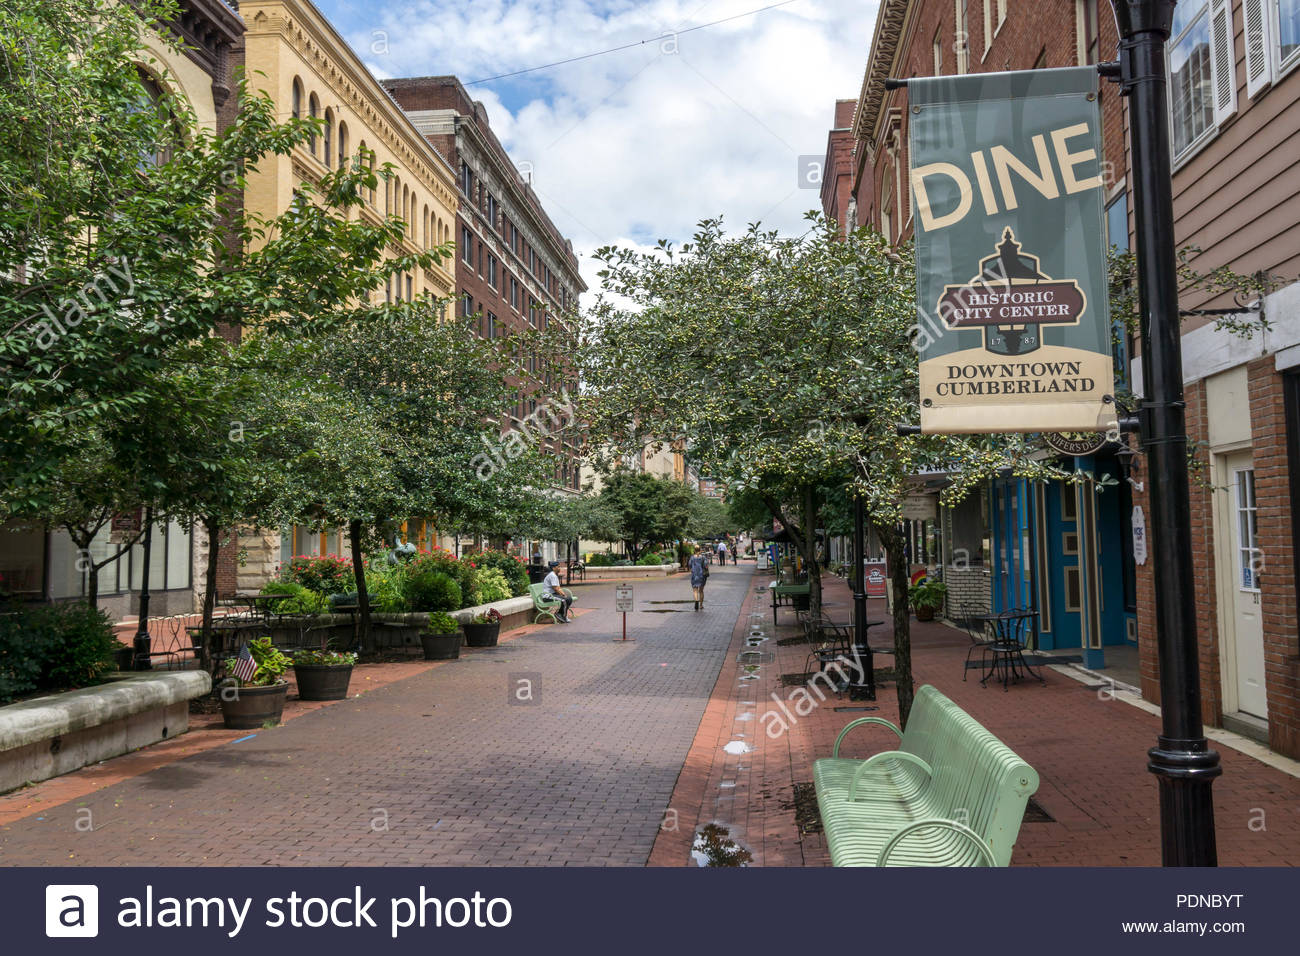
1013	326
1078	444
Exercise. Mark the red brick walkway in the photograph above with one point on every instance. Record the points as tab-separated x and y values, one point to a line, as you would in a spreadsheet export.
1089	749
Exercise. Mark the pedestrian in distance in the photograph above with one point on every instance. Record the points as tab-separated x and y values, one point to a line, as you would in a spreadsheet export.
552	591
699	576
722	553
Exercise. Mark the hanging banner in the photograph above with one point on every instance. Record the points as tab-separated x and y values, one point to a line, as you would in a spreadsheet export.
1013	325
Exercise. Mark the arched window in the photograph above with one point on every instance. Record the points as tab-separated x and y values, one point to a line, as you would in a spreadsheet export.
329	137
406	209
343	144
370	164
313	108
297	98
155	100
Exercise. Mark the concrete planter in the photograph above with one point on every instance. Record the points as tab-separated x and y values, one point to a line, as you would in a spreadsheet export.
57	734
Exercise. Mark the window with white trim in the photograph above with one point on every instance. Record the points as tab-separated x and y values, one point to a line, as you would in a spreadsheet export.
1272	32
961	39
1249	554
1202	73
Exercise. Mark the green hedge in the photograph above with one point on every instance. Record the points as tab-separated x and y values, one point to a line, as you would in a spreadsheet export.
51	647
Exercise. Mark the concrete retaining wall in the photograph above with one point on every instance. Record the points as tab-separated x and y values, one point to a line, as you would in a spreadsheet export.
52	735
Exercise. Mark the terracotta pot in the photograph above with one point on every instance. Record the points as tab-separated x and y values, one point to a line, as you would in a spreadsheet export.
250	708
925	614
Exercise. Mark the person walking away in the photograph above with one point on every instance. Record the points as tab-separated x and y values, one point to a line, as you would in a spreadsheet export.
722	553
699	576
551	590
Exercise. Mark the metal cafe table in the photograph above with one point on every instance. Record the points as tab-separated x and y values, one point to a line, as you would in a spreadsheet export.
796	595
1008	645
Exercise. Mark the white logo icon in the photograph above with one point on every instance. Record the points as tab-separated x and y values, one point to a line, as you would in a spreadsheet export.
71	910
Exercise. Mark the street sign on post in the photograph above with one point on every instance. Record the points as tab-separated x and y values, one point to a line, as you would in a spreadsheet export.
623	603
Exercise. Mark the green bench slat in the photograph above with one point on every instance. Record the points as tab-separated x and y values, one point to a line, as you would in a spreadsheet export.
976	782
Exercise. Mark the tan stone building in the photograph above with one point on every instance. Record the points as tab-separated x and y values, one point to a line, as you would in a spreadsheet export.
292	53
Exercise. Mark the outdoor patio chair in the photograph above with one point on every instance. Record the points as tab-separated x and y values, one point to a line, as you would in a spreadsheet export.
982	636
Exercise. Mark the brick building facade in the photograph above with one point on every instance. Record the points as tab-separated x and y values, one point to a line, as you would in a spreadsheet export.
514	270
1235	123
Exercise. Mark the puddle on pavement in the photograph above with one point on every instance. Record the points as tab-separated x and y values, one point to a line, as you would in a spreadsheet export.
738	747
713	846
747	716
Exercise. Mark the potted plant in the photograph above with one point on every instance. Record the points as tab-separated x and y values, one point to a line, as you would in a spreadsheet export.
323	674
484	629
441	638
927	597
257	700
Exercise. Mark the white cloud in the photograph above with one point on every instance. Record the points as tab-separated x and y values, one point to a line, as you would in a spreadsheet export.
642	143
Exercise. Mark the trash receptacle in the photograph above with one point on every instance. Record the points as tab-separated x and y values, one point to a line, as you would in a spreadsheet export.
537	573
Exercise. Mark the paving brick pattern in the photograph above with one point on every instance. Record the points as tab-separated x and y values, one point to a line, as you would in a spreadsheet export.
1088	748
440	768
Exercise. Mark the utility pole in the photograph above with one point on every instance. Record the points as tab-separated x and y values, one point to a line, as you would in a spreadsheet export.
1184	765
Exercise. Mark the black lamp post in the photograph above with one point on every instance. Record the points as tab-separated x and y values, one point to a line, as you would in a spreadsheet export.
864	687
143	661
1184	765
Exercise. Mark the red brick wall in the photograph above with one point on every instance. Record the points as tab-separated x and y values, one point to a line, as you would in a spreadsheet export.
1207	626
1278	597
1018	45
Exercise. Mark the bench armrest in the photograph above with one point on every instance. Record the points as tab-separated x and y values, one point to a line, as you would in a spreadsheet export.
858	723
867	764
940	823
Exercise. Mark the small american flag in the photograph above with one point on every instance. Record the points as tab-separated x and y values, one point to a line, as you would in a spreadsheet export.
245	667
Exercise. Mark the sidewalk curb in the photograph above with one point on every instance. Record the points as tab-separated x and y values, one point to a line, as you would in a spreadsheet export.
1133	697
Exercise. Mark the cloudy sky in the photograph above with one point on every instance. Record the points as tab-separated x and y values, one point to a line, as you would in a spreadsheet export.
640	144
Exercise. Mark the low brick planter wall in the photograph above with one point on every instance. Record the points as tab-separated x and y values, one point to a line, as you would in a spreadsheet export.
57	734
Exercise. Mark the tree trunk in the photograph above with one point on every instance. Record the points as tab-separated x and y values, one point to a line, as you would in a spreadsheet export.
898	576
359	572
568	562
210	590
810	552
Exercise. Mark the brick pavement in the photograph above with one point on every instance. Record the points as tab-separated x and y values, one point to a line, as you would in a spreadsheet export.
438	768
1089	750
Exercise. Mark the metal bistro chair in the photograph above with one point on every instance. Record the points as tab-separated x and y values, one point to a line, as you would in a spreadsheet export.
1009	649
982	636
831	642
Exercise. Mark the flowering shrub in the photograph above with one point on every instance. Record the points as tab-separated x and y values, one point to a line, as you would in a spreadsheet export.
324	574
489	585
513	568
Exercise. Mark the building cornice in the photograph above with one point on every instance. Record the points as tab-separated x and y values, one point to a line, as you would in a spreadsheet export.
886	43
299	24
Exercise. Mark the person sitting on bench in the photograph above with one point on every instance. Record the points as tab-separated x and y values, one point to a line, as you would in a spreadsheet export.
554	592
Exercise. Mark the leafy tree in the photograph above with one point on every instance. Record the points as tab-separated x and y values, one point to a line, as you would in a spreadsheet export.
787	363
387	420
647	509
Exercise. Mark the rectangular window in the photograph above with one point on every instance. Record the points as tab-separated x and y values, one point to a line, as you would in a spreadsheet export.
1288	32
480	259
514	293
492	271
491	325
467	245
1202	74
22	559
1089	41
1248	552
988	25
1117	222
466	180
410	288
938	52
961	40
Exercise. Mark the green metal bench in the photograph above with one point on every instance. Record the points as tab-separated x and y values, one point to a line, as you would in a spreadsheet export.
545	607
952	794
